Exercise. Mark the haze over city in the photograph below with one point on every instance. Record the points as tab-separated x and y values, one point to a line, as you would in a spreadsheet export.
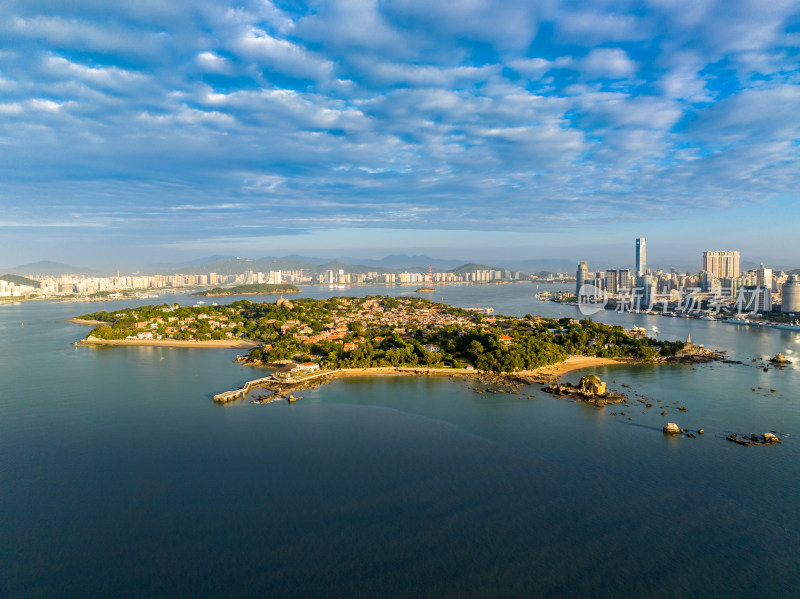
134	133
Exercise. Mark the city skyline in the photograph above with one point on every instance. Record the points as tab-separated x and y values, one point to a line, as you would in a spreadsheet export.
131	132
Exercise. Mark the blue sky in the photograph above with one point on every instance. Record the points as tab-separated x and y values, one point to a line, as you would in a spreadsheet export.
139	131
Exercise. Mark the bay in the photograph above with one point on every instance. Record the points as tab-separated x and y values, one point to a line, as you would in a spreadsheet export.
119	476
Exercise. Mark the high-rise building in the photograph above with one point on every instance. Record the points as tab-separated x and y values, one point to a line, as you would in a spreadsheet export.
791	294
756	299
641	257
611	280
764	277
723	264
624	281
580	277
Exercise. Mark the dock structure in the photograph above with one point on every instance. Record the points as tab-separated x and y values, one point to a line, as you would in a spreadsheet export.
239	393
268	382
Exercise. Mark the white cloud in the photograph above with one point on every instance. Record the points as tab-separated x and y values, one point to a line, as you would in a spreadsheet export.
44	105
608	62
79	34
429	75
11	108
213	63
598	26
281	55
109	77
536	67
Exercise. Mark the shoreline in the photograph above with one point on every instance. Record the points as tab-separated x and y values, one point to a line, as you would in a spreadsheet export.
536	375
280	388
543	374
211	344
284	292
86	322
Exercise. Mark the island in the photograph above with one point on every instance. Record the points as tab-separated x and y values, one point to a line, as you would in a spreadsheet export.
249	289
381	335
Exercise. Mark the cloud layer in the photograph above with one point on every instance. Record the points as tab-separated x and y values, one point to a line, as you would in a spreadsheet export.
180	119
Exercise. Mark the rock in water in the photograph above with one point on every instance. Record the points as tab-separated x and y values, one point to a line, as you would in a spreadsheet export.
770	438
672	428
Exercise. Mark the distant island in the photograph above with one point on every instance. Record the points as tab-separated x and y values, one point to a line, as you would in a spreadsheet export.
250	289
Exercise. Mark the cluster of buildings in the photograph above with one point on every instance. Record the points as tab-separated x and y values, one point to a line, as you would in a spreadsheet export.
720	279
224	319
340	277
372	314
82	285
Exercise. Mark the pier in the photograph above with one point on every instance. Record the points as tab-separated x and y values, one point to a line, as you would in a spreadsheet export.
271	382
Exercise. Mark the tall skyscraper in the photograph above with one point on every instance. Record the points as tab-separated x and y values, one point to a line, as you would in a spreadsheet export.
580	277
641	257
721	264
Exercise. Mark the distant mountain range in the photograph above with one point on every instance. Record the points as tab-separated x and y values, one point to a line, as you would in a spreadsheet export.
45	267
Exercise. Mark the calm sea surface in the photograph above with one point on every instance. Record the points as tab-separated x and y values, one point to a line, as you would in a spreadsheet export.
120	477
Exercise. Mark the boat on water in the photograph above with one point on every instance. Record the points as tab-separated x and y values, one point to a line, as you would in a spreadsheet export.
787	326
743	321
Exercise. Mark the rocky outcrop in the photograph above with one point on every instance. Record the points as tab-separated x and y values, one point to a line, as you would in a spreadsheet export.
780	360
590	389
592	385
765	439
281	302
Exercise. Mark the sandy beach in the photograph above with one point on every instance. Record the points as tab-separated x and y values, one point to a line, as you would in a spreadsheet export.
212	344
85	322
571	363
548	373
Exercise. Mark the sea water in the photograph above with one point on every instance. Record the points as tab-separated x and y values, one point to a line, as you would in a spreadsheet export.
119	475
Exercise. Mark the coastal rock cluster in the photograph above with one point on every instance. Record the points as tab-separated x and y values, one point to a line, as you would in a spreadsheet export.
590	389
765	439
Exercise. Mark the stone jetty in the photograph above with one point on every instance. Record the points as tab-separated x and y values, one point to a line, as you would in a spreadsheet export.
275	383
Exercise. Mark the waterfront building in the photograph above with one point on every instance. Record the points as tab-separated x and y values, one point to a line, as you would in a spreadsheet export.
756	299
580	277
641	258
721	264
791	294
